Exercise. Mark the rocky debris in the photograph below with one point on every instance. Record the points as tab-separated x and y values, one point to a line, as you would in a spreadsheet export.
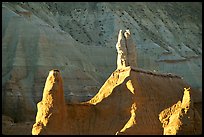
51	110
7	119
9	127
126	50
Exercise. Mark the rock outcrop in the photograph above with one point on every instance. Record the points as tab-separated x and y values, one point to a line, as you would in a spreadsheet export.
125	105
52	109
131	101
79	39
122	51
178	117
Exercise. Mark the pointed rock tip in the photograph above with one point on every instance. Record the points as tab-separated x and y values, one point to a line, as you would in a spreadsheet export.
120	35
127	33
54	72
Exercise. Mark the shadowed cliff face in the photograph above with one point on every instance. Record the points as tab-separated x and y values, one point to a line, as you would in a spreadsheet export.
124	105
79	39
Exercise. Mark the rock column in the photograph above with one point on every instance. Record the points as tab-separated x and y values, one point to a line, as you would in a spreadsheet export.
122	51
51	115
126	50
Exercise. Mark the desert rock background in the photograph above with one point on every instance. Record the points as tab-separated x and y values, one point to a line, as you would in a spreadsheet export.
79	39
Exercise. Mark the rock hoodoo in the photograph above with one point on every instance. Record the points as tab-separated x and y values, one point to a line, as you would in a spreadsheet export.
85	35
125	105
131	101
126	50
52	109
122	51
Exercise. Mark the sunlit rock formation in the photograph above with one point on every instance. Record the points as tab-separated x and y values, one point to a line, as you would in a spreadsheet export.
51	114
123	105
131	101
122	51
177	118
79	39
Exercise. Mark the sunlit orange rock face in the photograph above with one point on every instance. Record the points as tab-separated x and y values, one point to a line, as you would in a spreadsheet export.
178	116
131	101
52	108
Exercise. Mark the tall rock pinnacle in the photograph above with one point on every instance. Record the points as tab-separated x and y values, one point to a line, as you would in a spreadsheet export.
52	107
122	51
126	49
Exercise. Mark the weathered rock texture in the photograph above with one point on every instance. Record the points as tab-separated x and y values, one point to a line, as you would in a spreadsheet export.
79	39
126	49
129	102
131	49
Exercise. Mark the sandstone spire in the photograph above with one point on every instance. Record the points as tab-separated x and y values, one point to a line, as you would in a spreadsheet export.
52	107
122	51
126	50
